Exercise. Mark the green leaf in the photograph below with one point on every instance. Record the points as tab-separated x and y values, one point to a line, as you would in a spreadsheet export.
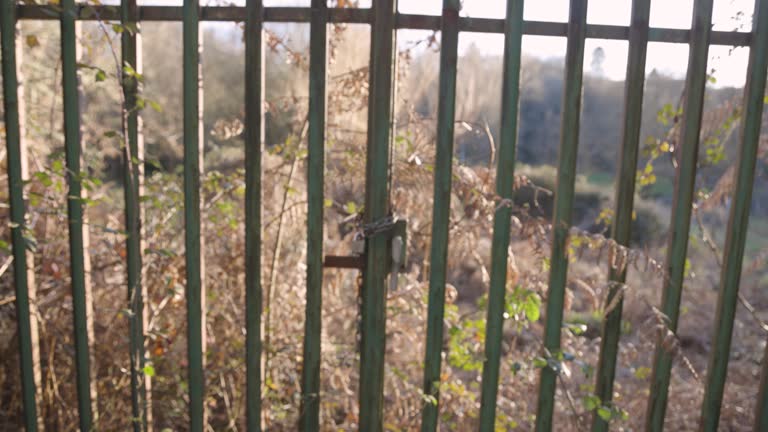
531	308
155	106
327	203
100	75
57	166
44	178
604	413
590	402
539	362
149	370
32	41
622	414
642	372
351	207
130	71
131	28
155	163
429	399
577	329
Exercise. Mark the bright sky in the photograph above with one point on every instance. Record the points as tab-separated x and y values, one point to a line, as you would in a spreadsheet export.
730	64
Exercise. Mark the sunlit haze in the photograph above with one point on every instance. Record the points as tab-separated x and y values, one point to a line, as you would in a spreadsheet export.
728	63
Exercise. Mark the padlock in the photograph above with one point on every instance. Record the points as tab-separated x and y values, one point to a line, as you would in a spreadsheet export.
398	245
398	252
358	244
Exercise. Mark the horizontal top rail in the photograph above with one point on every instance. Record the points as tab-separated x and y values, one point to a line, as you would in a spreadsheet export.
363	16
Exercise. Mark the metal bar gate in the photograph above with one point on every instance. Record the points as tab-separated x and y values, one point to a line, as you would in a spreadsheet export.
384	21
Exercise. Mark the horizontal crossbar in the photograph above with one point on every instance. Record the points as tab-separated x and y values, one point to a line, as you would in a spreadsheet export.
363	16
346	262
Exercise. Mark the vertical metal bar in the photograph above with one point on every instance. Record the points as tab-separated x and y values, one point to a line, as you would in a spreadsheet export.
23	265
309	419
505	177
373	338
625	192
133	184
681	207
193	167
78	235
561	223
754	91
441	210
254	139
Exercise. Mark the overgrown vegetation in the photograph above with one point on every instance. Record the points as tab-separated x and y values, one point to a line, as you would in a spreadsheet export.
284	245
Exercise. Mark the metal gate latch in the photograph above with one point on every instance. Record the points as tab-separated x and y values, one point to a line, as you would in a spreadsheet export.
397	245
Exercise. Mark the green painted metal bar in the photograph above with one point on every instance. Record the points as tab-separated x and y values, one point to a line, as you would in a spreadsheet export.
207	13
402	21
133	184
309	419
373	338
736	236
193	167
23	265
625	193
254	143
681	207
561	220
441	211
505	178
78	234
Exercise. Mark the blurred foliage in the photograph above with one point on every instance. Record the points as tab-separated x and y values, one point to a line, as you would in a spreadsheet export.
284	162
